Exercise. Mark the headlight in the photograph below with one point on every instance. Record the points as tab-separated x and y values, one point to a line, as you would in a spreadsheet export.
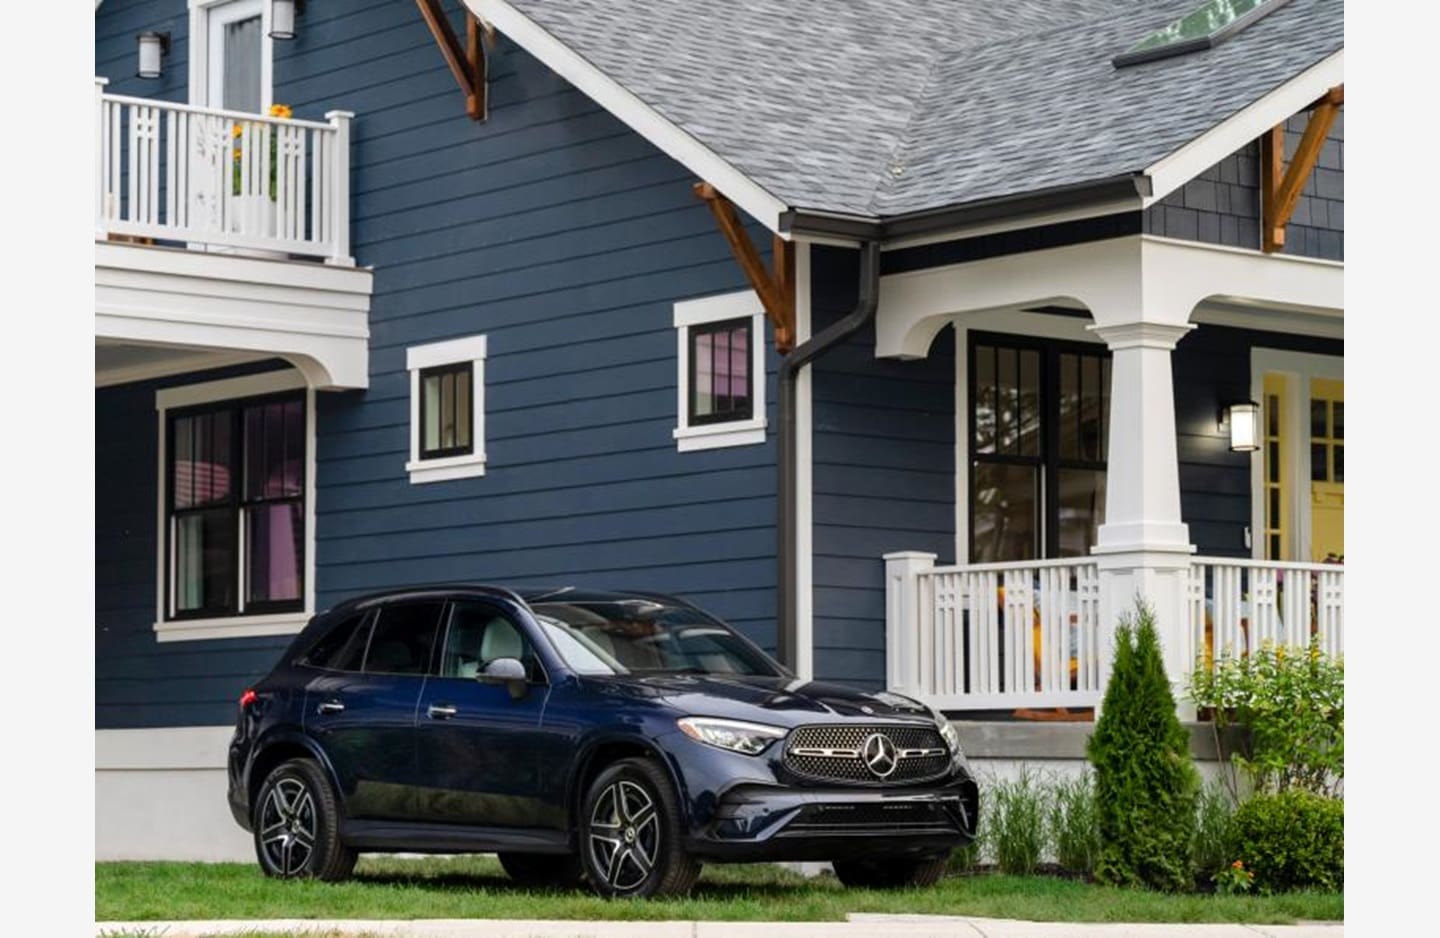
951	737
749	738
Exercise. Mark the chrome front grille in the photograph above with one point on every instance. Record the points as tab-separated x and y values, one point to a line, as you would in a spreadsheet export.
837	753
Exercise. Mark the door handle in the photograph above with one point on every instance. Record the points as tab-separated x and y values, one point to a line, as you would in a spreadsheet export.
330	706
438	711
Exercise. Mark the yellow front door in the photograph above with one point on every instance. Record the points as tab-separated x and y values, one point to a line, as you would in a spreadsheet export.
1327	470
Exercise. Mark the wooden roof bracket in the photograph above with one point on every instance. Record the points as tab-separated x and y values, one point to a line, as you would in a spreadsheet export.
1280	186
776	288
466	63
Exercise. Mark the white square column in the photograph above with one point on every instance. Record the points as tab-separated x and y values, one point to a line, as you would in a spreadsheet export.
1144	547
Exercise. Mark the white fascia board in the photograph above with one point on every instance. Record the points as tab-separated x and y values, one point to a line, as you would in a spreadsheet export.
1173	171
640	117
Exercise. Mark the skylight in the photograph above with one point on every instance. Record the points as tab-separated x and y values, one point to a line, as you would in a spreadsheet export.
1204	28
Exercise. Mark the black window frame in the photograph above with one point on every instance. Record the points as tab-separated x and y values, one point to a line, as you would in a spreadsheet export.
693	334
236	504
1050	461
467	368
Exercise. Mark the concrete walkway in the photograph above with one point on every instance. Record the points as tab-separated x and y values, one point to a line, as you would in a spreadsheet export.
858	926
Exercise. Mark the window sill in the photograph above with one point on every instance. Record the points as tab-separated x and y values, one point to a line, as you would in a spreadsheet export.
443	470
199	630
717	435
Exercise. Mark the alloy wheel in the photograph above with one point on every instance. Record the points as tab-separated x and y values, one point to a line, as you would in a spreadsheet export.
288	826
624	835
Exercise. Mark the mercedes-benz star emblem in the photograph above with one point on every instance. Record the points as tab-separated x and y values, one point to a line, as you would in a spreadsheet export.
879	755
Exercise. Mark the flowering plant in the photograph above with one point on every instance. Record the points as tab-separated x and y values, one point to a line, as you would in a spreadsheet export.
282	111
1234	879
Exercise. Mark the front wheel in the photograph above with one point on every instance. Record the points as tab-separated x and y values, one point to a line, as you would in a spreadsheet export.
889	873
297	825
631	833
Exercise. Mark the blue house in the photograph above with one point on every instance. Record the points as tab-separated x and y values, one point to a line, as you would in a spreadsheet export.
912	339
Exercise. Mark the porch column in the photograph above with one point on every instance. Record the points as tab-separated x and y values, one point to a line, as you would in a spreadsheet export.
1144	547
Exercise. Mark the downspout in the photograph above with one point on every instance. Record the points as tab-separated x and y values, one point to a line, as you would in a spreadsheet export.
789	373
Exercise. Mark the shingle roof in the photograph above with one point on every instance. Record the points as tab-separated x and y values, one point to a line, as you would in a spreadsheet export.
880	108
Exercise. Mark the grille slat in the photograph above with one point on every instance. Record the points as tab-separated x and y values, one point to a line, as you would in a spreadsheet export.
843	763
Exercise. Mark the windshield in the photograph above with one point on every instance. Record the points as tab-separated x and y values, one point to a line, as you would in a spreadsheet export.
640	636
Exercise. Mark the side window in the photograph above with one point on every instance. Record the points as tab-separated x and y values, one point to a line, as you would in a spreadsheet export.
402	638
480	633
343	647
721	375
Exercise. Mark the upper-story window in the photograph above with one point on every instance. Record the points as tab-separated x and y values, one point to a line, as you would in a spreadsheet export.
447	409
721	353
231	58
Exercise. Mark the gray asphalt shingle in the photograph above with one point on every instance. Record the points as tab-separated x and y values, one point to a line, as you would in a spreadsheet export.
879	108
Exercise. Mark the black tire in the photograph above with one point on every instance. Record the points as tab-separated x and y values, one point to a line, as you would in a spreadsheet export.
635	847
890	872
296	819
541	870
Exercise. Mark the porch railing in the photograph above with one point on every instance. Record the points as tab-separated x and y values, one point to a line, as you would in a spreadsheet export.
188	175
994	636
1235	605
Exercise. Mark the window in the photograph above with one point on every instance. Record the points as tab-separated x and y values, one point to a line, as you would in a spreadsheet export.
401	640
721	352
343	647
447	409
478	635
232	55
1038	435
236	484
1205	27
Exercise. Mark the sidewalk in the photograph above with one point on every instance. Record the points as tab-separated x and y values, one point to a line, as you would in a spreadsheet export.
858	926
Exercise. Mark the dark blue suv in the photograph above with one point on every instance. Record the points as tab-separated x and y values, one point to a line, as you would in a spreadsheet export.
619	739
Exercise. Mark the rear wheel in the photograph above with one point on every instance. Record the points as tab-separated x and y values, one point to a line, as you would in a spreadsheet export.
559	871
890	872
631	836
297	825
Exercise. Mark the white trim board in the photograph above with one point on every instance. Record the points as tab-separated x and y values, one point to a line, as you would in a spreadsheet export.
675	142
473	349
697	312
804	477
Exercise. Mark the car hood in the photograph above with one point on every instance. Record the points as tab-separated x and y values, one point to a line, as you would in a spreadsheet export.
783	701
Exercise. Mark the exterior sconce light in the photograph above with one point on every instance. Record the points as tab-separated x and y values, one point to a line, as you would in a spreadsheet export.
1244	426
282	17
153	47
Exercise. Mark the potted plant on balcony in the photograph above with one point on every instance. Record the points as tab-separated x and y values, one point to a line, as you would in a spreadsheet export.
254	211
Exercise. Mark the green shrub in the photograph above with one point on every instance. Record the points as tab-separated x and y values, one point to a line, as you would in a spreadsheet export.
1291	702
1145	780
1016	832
1213	812
1291	840
1074	825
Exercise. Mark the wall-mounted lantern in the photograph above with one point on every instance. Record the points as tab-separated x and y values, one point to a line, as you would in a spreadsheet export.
153	47
1244	420
282	17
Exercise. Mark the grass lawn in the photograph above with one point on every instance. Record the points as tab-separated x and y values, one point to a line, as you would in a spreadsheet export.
476	887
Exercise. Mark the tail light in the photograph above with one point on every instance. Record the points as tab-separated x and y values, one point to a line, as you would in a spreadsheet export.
247	698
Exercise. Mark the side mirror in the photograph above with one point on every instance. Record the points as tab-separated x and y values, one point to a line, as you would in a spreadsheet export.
507	671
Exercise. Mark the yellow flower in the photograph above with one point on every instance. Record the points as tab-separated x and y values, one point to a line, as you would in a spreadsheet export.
237	153
237	130
281	110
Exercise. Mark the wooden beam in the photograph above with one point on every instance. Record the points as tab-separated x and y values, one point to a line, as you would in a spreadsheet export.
467	63
776	288
1280	187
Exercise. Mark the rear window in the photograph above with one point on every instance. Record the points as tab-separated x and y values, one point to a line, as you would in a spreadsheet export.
342	648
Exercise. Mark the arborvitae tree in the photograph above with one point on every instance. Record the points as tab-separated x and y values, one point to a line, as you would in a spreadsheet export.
1145	780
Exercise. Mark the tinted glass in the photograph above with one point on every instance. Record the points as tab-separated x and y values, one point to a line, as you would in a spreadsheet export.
204	574
643	636
402	638
1206	20
343	647
479	634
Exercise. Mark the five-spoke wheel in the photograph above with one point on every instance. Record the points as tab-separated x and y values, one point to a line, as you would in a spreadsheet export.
297	824
287	826
631	841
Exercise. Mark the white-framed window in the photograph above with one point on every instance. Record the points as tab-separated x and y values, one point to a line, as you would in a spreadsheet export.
236	515
447	409
720	342
231	55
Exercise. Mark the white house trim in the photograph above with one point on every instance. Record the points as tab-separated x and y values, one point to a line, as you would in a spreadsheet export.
315	316
1192	159
473	349
199	75
167	630
707	309
178	364
804	477
1299	368
635	113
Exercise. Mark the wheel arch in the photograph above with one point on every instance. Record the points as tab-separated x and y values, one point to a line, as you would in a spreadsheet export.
604	751
282	746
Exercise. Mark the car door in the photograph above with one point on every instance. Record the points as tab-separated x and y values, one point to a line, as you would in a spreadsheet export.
478	742
364	718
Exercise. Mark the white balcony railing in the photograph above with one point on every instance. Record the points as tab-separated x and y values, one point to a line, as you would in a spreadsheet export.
199	176
994	636
1235	605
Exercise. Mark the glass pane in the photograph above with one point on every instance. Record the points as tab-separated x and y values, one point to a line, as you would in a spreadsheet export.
1082	509
1319	462
1004	516
242	66
703	391
463	421
478	635
200	472
1207	19
274	449
1090	449
1273	520
343	647
1339	464
983	394
1008	403
1272	415
1029	413
1069	407
1272	461
1319	425
447	410
1338	418
740	369
205	561
724	395
430	432
1274	547
402	638
273	541
1104	410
